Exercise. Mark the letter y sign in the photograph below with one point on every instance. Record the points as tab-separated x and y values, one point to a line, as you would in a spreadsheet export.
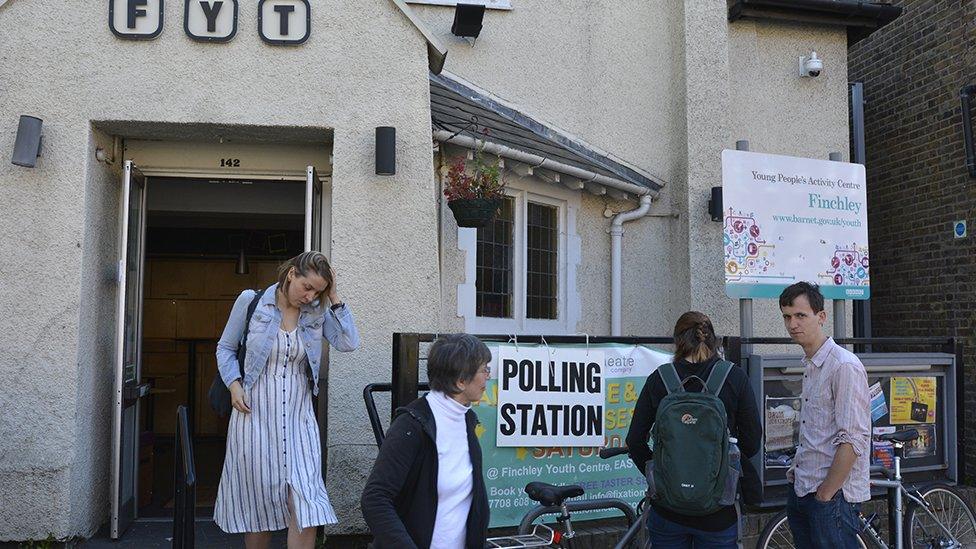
210	20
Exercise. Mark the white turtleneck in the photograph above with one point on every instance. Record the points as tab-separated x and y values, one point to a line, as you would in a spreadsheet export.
454	472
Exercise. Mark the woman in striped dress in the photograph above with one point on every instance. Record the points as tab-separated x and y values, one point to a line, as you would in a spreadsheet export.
272	476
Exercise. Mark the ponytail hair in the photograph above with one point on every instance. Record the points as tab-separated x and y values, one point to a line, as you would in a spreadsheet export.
694	337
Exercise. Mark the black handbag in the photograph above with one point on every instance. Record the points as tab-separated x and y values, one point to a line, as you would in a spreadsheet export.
219	394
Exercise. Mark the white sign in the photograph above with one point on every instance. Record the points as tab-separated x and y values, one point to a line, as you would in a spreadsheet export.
791	219
210	20
284	22
136	19
550	396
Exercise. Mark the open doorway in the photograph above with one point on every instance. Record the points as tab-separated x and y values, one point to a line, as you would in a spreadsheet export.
206	240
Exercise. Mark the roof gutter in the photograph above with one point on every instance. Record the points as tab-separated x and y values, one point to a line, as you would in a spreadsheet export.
537	161
861	18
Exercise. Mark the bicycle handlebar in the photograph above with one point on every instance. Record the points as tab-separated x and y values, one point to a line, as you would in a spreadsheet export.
606	453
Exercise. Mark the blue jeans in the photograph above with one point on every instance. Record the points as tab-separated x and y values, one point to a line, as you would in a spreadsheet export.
668	535
823	525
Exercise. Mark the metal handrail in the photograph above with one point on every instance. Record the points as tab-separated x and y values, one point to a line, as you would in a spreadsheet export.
185	480
374	416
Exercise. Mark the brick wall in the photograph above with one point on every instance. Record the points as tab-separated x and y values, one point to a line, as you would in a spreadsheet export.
923	280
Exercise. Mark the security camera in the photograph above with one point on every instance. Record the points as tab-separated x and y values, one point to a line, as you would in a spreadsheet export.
810	66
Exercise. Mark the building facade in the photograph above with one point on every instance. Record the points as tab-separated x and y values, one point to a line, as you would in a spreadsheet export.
253	134
919	186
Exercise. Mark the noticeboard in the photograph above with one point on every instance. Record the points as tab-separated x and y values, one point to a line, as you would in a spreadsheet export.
908	391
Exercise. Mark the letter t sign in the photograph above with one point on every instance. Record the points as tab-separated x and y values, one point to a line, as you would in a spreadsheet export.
284	22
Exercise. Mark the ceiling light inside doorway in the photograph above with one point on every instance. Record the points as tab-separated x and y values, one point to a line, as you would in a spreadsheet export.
242	266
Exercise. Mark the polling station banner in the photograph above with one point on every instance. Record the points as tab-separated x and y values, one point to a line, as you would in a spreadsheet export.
507	469
789	219
550	396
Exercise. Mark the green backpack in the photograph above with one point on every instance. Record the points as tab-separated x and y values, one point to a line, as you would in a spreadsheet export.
691	472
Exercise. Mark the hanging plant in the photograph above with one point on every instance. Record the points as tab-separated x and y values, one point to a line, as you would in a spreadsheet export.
474	198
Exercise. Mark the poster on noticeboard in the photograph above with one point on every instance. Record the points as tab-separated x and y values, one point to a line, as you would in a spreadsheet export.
913	400
782	431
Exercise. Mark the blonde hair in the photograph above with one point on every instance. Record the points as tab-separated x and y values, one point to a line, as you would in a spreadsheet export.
304	264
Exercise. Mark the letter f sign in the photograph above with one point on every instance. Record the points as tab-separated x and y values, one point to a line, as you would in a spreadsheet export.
136	19
135	11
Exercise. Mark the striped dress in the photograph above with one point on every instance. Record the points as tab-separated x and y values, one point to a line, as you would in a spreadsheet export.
274	448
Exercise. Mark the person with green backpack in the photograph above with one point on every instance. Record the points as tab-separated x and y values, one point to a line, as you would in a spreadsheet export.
700	413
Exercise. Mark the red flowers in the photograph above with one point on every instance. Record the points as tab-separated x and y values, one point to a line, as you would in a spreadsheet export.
485	182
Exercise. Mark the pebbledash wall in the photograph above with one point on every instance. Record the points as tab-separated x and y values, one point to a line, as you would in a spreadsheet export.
665	86
661	85
918	185
60	62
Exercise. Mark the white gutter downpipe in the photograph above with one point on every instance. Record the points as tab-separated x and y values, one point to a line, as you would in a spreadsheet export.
616	261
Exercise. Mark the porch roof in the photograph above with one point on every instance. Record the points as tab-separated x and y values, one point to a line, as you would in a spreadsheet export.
470	118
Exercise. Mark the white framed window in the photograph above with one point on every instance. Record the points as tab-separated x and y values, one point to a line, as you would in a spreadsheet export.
489	4
520	272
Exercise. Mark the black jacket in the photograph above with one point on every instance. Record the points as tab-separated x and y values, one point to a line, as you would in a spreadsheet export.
399	502
744	424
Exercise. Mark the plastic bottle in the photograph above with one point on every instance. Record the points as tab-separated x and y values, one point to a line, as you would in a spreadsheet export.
732	479
735	455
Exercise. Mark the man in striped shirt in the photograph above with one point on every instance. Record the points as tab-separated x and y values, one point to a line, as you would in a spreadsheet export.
830	473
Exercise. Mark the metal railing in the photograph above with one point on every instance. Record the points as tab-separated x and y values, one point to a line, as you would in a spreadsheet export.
374	415
185	484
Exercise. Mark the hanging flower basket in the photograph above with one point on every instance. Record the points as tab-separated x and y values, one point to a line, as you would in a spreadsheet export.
474	212
474	197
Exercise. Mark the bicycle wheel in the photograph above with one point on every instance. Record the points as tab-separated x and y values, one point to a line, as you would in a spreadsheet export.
777	535
950	510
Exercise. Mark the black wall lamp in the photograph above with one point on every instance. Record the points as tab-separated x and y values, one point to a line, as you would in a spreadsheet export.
385	150
467	20
27	146
715	204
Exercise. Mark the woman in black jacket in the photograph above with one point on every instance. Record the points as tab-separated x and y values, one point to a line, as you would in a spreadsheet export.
696	352
426	488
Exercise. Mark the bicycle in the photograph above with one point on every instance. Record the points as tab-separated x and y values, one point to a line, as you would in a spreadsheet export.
553	499
936	517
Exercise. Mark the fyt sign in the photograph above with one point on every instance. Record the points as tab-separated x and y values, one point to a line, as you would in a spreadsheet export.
280	22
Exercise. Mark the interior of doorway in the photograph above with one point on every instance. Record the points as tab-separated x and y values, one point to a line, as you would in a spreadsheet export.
206	241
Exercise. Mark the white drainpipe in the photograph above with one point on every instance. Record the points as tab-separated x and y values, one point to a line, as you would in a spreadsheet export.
616	261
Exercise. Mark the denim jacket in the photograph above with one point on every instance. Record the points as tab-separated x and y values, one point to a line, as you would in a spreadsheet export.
314	321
